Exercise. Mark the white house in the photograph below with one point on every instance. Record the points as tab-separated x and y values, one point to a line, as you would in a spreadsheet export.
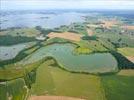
41	37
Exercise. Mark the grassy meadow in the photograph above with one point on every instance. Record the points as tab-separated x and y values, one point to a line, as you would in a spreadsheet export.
56	81
118	87
127	51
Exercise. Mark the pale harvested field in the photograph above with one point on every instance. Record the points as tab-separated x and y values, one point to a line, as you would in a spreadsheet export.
131	27
53	98
131	58
128	72
109	24
66	35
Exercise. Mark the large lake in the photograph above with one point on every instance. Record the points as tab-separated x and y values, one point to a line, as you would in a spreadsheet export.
44	19
54	18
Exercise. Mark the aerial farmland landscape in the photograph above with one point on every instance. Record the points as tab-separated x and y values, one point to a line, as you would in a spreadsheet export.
54	52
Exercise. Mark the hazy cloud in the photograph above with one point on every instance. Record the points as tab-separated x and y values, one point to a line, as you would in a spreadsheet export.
67	4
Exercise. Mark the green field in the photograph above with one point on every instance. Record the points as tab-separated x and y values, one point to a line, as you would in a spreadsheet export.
118	87
28	32
126	51
58	82
15	89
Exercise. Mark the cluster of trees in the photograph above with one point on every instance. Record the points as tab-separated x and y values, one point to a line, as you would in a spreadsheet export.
30	78
89	38
118	44
44	31
123	62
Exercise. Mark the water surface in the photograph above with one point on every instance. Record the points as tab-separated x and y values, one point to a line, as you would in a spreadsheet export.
10	52
63	53
47	20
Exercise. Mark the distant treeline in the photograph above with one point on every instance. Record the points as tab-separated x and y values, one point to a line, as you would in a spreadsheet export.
11	40
46	31
11	28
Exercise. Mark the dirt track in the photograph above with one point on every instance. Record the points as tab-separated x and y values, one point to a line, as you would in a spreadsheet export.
53	98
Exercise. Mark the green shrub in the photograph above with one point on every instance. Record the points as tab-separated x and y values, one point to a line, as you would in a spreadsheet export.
89	38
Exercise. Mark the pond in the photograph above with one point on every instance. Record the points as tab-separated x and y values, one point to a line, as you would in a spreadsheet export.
10	52
63	53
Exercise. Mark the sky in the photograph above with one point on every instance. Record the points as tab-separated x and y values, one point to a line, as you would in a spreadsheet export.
66	4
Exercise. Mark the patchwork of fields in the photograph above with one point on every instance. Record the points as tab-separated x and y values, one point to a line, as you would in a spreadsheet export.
58	76
56	81
93	60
